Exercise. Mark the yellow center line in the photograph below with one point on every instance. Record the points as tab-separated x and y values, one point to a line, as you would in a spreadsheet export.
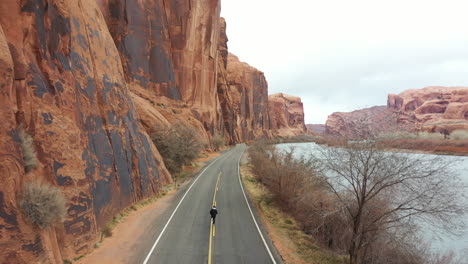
213	227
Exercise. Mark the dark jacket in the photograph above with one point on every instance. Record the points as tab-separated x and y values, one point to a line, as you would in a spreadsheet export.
213	212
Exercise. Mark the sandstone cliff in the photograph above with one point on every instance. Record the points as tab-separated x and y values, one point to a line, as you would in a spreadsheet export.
432	108
169	50
286	115
88	80
248	98
62	80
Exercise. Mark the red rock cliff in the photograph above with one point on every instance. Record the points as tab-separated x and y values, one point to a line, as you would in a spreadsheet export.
87	79
432	108
62	79
169	50
248	91
286	115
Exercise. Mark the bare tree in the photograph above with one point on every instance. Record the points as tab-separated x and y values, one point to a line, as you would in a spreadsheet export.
383	191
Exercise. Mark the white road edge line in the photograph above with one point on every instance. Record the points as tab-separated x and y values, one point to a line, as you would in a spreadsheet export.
175	210
250	209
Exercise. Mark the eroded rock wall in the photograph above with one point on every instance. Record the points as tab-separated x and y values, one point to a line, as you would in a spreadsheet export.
248	90
432	109
286	115
62	80
169	50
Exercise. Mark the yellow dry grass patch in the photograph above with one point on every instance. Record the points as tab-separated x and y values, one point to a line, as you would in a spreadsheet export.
292	243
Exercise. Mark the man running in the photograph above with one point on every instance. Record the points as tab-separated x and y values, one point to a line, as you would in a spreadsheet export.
213	213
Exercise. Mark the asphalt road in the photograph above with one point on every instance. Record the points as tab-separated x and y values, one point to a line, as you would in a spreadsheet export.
183	234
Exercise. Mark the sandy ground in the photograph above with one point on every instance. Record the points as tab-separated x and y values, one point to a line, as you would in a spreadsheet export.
119	247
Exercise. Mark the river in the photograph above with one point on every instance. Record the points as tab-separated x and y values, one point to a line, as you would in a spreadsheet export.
447	243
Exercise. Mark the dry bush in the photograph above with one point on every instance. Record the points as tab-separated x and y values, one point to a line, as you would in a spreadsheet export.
459	135
303	194
29	154
178	145
366	204
217	142
43	204
428	135
385	191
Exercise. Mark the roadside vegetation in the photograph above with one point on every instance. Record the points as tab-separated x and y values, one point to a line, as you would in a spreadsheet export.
364	202
294	245
178	145
217	142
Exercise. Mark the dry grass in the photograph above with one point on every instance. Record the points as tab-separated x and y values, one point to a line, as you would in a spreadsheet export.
43	205
293	244
29	153
459	135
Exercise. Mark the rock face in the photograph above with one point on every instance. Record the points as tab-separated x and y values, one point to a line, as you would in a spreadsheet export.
286	115
61	78
169	50
316	128
88	80
247	97
363	123
432	109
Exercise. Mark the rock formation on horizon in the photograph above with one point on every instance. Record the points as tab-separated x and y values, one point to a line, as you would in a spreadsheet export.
286	115
362	123
316	128
432	109
89	80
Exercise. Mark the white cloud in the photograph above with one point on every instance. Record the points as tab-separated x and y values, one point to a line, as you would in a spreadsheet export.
341	55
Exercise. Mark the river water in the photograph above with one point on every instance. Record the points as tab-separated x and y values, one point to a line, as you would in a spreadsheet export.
442	243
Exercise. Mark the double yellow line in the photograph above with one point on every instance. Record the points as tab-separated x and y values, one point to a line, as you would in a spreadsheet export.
213	227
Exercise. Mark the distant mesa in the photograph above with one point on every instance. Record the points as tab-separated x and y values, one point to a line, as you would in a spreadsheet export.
431	109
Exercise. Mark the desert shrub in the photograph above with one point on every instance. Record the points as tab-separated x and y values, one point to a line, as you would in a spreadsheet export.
43	204
398	135
326	207
217	142
177	144
29	154
459	134
428	135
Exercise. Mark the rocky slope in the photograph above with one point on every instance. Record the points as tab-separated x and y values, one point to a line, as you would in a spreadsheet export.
432	109
316	128
286	115
88	80
362	123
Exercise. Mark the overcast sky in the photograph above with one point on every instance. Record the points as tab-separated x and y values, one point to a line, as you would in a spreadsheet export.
343	55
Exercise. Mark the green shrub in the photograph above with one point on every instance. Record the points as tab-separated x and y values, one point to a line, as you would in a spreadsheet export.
29	154
217	142
43	204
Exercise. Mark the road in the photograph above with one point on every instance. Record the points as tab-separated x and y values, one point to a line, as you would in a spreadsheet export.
186	234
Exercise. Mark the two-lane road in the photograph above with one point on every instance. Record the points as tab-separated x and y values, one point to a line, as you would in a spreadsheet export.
236	238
